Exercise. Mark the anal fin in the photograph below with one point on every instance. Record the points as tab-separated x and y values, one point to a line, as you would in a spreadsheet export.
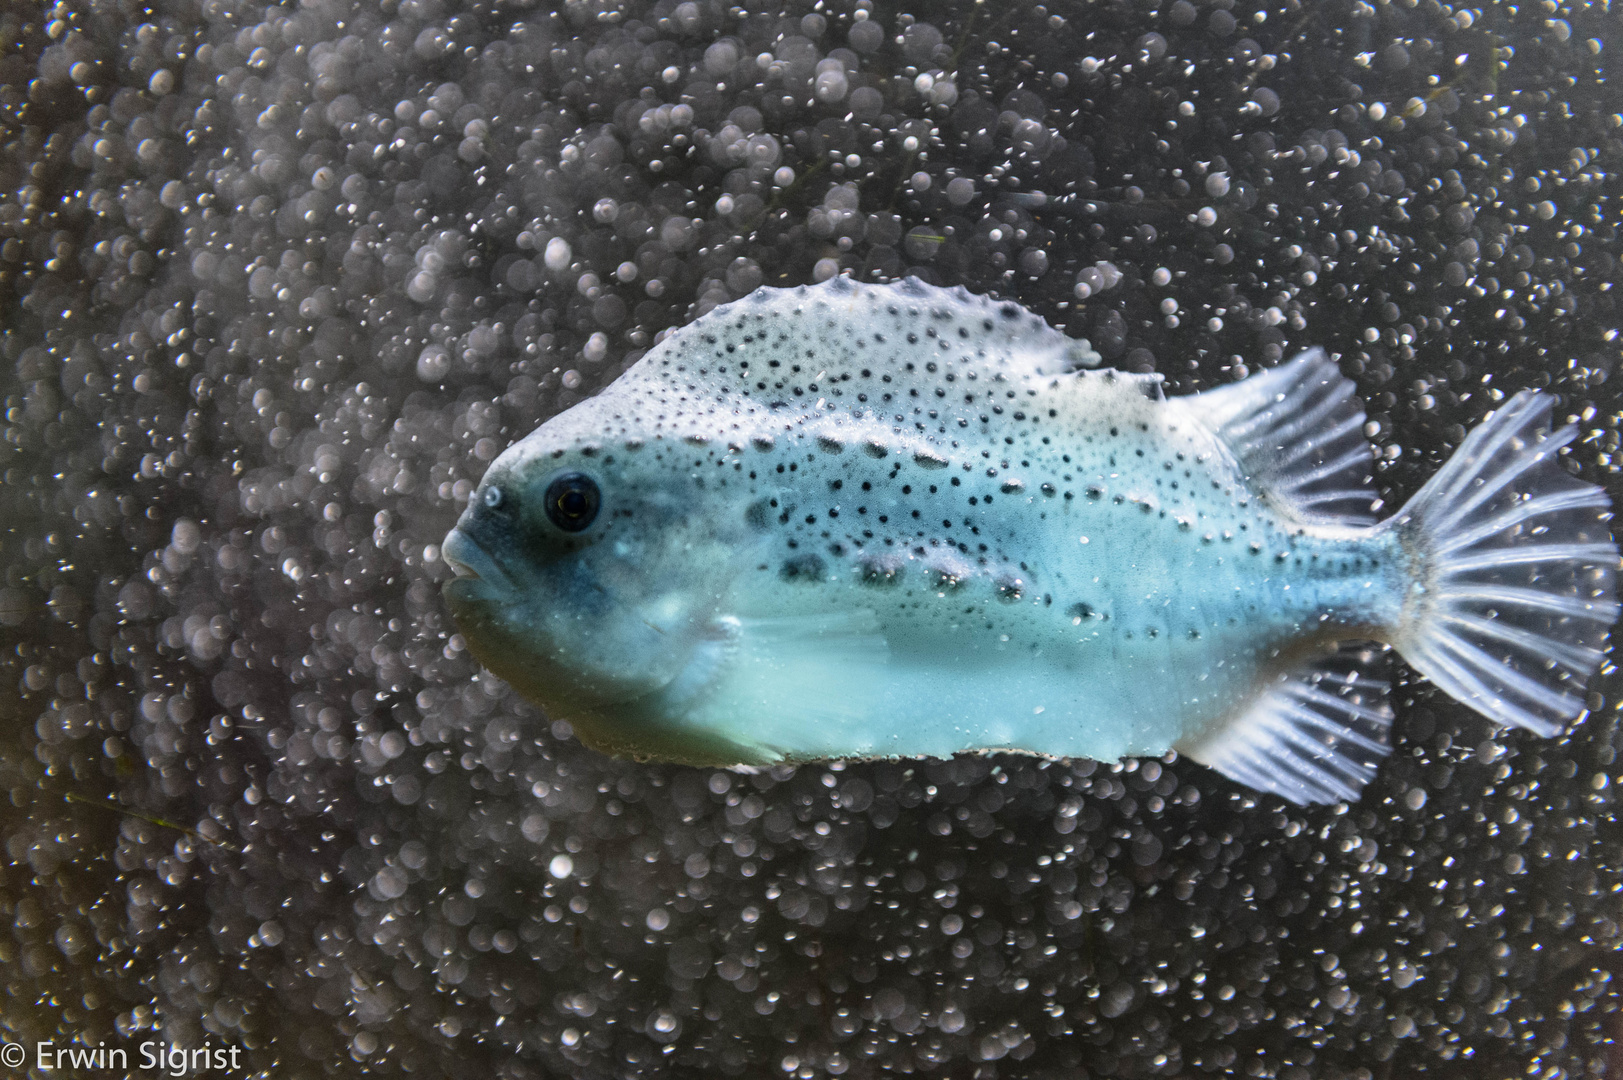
1314	735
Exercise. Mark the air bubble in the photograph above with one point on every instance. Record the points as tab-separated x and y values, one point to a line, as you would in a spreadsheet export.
433	363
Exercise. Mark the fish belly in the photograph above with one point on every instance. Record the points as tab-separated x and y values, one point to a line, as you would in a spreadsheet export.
1135	623
1171	647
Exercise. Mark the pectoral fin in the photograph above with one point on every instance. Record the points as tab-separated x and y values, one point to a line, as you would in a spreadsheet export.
771	689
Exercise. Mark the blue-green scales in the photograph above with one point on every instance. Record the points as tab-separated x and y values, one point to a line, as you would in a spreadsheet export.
856	521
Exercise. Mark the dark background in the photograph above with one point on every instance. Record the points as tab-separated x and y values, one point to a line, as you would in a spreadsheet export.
265	322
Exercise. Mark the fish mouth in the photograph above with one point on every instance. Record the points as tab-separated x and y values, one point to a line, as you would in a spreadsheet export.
468	560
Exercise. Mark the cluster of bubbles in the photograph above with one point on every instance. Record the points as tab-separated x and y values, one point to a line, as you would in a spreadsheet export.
279	281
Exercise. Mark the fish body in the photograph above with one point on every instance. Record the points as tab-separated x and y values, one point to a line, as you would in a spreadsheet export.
856	521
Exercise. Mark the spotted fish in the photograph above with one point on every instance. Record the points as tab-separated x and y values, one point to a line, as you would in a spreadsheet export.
879	521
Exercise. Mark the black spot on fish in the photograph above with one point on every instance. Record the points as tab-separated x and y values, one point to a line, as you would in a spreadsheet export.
759	515
807	568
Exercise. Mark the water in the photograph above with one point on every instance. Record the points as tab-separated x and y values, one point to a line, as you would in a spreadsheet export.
278	282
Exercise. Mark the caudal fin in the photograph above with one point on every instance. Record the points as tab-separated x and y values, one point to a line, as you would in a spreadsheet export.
1514	568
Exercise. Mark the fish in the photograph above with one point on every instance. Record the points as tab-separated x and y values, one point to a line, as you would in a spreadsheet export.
879	521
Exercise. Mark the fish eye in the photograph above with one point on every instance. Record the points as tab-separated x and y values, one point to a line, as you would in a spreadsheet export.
572	501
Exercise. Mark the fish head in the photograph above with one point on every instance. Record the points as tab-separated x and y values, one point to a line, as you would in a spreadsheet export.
589	570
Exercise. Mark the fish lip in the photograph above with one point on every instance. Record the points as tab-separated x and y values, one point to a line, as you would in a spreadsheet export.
468	560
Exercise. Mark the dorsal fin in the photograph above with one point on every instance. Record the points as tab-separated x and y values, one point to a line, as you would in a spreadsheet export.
1315	735
1298	433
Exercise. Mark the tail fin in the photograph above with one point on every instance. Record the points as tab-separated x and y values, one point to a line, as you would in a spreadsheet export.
1514	562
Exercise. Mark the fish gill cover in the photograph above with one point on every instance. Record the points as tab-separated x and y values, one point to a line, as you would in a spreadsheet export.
278	283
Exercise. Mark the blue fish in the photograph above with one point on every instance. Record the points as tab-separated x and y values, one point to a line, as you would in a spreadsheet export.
882	521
